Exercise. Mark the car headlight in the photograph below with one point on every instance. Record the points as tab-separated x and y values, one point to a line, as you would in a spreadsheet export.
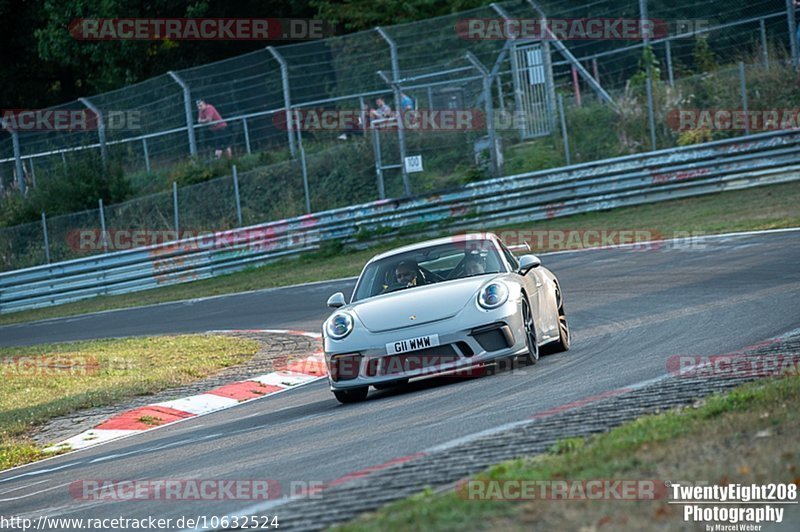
493	295
339	325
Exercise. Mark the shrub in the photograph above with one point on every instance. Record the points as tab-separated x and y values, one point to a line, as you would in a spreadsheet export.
73	188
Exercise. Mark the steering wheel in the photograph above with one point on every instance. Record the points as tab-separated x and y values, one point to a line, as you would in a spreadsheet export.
429	276
456	272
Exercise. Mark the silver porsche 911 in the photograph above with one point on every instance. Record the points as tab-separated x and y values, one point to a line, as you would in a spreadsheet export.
439	306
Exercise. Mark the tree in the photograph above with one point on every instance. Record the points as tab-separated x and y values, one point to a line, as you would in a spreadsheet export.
355	15
97	66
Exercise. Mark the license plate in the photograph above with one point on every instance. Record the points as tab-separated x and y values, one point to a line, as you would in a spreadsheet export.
412	344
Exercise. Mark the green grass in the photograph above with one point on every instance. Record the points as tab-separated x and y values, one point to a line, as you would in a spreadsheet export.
43	382
757	208
749	434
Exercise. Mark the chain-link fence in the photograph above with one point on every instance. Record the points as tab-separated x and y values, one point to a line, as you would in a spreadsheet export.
616	96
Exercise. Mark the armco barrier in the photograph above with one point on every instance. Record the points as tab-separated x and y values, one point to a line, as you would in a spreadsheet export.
743	162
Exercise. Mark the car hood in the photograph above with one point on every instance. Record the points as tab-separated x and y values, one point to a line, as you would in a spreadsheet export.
430	303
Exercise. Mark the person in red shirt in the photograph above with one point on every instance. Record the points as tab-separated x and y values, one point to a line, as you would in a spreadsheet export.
207	113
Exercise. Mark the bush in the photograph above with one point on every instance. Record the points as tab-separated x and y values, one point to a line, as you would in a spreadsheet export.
694	136
74	188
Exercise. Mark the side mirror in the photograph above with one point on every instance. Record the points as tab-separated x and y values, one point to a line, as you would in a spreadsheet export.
336	300
528	262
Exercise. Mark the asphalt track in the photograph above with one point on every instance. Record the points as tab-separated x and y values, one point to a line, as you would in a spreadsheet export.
630	310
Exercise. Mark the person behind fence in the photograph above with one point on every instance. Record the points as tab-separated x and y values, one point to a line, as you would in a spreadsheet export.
406	102
382	110
207	113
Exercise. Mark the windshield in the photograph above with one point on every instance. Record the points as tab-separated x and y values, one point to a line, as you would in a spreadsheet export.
435	264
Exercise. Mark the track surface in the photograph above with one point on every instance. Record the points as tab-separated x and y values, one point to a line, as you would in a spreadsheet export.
629	311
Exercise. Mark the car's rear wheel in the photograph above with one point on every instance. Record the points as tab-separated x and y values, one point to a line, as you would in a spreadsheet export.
355	395
563	342
532	354
389	385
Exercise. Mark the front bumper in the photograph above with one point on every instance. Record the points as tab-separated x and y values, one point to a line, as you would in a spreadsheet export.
364	361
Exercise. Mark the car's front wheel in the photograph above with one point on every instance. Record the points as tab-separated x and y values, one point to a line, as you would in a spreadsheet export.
532	354
563	342
355	395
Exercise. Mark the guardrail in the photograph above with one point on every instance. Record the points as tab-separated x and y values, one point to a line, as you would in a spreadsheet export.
743	162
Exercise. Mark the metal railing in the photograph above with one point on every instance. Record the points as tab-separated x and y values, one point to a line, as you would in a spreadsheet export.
657	176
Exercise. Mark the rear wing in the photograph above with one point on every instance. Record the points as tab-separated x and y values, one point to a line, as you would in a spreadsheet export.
520	247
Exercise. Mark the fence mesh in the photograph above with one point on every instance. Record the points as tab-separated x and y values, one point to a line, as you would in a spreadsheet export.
151	136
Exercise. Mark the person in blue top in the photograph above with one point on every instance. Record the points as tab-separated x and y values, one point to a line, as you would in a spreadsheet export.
406	102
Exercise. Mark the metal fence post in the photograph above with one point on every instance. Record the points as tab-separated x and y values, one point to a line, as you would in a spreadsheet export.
146	155
287	99
236	195
103	225
376	148
670	75
743	85
401	133
187	107
576	87
18	162
793	45
101	128
487	96
764	50
516	68
175	217
500	97
362	114
642	19
33	173
650	112
246	135
564	134
304	168
46	240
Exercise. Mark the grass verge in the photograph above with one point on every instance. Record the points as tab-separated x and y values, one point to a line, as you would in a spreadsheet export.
752	209
43	382
748	436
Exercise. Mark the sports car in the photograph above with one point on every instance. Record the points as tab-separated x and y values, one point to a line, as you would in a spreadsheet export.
439	306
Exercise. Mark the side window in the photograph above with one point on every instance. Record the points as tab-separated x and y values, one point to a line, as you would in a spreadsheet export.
509	257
